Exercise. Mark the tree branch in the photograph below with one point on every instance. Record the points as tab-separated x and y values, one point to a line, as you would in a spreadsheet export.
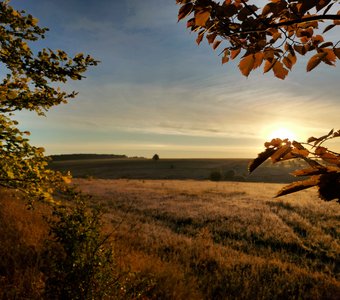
304	20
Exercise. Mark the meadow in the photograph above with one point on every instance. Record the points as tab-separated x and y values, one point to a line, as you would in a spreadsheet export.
197	169
190	239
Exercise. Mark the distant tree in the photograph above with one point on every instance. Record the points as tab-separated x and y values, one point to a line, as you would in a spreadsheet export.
155	157
216	175
273	35
31	83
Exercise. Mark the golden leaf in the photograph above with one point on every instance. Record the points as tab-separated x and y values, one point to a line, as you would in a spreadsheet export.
225	57
184	11
201	17
337	52
315	60
308	172
211	37
199	38
216	44
246	64
258	59
262	157
331	57
268	66
279	70
281	152
299	185
234	53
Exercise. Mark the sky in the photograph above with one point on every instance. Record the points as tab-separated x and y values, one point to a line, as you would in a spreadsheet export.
156	91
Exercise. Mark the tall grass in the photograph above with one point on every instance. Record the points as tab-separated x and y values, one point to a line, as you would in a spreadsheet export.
224	240
191	240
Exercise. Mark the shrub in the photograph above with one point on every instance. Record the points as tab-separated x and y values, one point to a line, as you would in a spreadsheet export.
216	175
77	262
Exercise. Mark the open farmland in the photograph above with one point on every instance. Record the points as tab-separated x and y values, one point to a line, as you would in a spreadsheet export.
197	169
186	239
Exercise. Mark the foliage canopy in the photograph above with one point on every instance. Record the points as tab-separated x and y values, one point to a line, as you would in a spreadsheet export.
29	82
274	35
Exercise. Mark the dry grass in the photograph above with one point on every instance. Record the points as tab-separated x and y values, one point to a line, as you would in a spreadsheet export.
205	240
22	233
192	240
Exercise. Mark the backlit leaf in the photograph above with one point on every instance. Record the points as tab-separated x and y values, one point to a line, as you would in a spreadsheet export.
216	44
258	56
329	27
298	186
279	70
201	17
234	53
268	66
246	64
199	38
308	172
211	37
184	11
281	152
330	56
261	158
337	52
315	60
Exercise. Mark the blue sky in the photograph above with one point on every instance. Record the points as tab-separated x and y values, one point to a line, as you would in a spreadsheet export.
156	91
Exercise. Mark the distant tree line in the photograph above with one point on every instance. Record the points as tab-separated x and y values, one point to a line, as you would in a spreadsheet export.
62	157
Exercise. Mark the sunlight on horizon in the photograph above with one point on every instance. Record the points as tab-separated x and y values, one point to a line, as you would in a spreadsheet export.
282	131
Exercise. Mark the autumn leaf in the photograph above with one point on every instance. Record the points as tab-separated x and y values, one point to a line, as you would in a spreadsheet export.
337	52
211	37
315	60
199	38
287	62
280	152
246	64
268	65
298	186
201	17
225	57
261	158
216	44
279	70
329	27
184	11
234	53
330	55
258	56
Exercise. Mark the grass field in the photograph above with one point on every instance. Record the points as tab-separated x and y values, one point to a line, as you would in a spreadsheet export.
191	239
225	240
197	169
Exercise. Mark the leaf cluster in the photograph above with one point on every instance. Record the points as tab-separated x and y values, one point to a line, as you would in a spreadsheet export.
323	169
273	36
30	83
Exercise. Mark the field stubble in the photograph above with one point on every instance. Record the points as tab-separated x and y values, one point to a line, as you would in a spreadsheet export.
226	240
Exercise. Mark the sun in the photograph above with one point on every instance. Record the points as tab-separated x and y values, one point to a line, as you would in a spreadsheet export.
282	133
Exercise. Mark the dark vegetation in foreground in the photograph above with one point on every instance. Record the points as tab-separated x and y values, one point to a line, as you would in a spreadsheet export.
197	169
189	240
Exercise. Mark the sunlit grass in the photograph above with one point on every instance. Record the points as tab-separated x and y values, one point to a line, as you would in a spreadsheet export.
225	240
193	240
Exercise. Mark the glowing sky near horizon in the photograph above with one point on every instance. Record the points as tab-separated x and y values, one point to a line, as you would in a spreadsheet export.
156	91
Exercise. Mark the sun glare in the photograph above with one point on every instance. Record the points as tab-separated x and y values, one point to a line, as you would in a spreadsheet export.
282	133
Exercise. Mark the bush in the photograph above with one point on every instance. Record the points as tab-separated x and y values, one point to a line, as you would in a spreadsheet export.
216	175
77	262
